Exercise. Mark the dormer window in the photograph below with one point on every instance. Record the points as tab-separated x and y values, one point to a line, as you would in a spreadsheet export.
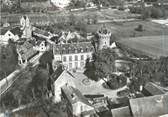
76	50
81	49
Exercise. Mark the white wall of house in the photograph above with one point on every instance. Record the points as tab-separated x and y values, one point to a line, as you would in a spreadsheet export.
72	61
63	79
8	35
41	47
80	107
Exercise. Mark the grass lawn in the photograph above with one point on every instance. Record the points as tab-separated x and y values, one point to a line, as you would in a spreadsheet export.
155	46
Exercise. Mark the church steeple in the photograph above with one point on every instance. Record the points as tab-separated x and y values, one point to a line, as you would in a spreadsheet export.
26	27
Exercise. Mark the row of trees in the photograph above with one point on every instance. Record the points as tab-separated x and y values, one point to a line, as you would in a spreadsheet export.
153	71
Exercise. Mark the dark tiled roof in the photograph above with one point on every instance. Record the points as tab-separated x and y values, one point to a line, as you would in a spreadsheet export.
152	106
41	32
15	30
152	89
73	48
26	50
71	93
121	112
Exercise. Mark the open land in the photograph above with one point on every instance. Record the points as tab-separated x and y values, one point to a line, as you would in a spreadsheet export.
155	46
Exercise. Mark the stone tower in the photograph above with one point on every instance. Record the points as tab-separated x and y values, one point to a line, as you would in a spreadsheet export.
26	27
104	35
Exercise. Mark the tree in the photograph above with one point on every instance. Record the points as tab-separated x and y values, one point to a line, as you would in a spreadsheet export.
46	60
102	65
8	58
39	83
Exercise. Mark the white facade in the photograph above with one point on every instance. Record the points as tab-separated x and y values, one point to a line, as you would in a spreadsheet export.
42	47
72	61
8	35
64	78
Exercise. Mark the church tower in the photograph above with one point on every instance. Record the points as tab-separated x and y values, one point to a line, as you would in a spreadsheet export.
26	27
104	35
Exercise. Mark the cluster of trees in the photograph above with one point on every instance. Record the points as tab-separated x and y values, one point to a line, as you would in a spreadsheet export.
150	71
102	64
151	12
82	3
8	59
10	5
34	85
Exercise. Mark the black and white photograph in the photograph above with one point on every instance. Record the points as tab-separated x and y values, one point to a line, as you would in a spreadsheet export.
83	58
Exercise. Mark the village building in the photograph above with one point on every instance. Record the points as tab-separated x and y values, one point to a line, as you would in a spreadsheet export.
12	33
152	106
25	52
60	79
36	32
72	56
41	46
77	104
121	112
151	89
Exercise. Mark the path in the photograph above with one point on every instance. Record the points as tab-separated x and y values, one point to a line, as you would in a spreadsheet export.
93	87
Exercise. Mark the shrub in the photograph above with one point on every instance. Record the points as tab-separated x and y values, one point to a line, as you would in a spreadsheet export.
156	12
139	28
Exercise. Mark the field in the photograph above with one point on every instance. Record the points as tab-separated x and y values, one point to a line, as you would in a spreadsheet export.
126	29
154	46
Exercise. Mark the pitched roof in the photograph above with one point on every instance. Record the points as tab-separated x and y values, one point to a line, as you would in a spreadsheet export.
74	95
41	32
152	89
61	73
121	112
3	31
73	48
15	30
152	106
26	50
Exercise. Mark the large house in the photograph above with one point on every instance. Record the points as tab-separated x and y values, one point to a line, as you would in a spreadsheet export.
60	79
77	104
25	52
72	55
152	106
151	89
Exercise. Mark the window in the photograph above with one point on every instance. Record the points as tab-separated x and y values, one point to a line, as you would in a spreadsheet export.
70	65
64	58
70	58
82	64
76	64
82	57
87	56
76	58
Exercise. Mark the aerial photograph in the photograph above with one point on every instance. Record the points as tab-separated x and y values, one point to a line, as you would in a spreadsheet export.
83	58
